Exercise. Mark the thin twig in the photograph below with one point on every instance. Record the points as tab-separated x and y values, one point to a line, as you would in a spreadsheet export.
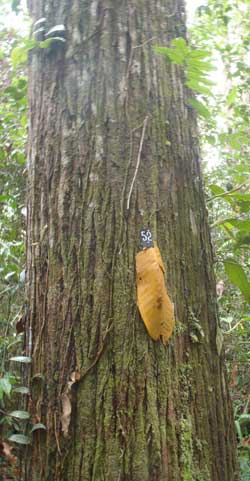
173	13
224	221
138	160
144	43
98	355
40	333
56	436
233	328
224	194
99	26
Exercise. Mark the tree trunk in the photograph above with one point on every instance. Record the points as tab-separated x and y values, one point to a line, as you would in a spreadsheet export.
113	149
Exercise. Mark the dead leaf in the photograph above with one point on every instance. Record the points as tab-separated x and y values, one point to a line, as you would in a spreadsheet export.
20	324
75	376
233	376
66	402
155	306
246	442
6	450
220	287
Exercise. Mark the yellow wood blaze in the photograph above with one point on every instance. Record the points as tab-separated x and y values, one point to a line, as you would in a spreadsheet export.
155	306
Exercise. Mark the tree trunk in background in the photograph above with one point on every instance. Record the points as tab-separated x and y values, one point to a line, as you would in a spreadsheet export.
99	104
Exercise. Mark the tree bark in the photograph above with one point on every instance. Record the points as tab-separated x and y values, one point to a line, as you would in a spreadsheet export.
113	149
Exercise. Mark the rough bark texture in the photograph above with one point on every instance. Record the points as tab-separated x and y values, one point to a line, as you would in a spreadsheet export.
99	105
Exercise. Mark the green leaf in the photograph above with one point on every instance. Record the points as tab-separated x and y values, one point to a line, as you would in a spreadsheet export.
180	44
198	87
15	5
5	387
202	66
21	82
238	277
231	96
242	239
162	50
195	74
211	139
38	426
25	359
233	141
241	197
199	54
217	190
20	414
5	197
238	429
200	107
244	418
175	56
30	43
19	56
178	53
243	225
243	168
22	390
19	438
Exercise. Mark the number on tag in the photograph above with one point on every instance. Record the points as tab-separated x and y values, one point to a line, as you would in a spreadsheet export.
146	238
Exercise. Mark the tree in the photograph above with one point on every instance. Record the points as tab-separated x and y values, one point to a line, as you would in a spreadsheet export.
113	149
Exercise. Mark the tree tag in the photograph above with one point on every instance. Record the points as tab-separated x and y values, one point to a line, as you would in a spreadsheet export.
146	238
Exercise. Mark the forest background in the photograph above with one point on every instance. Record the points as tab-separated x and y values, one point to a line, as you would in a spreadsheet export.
220	33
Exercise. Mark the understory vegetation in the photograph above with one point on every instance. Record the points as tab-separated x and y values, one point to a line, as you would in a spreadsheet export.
216	64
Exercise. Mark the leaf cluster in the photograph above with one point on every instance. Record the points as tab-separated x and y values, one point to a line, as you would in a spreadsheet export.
197	66
224	28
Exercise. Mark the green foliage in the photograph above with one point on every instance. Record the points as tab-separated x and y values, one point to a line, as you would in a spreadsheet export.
20	415
54	35
223	27
5	387
238	277
24	359
19	419
19	439
19	54
197	66
38	426
230	42
15	5
200	107
16	425
22	390
13	136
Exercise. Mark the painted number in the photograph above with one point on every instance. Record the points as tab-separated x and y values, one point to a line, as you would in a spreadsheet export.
146	237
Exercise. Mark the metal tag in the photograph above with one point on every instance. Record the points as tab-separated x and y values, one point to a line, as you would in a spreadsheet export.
146	238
